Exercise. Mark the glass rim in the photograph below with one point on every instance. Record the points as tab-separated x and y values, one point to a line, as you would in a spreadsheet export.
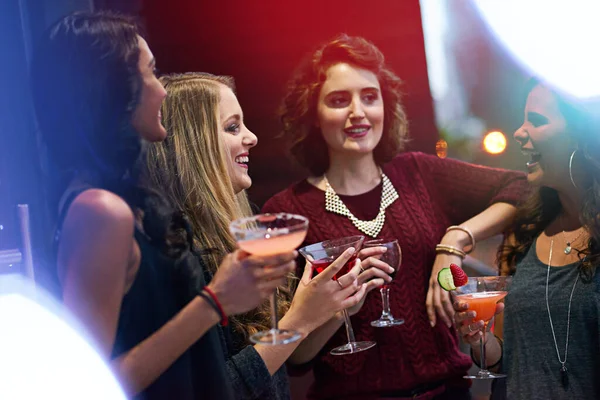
302	223
380	242
319	246
503	283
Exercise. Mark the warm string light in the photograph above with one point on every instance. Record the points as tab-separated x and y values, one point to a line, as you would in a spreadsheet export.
494	142
441	148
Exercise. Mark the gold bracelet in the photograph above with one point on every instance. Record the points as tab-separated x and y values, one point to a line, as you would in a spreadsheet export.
444	248
465	230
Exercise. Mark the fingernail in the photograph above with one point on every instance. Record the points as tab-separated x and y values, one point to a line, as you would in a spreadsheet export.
351	250
449	324
432	323
384	249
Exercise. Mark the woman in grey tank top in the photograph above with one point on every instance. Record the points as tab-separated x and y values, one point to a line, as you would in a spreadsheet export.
551	346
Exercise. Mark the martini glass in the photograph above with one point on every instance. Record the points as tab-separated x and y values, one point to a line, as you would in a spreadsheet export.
481	295
265	235
321	255
393	258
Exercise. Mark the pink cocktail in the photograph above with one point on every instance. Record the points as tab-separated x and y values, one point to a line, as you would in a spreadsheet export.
273	245
481	294
265	235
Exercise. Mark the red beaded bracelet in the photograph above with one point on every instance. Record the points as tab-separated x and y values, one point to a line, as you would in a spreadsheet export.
224	319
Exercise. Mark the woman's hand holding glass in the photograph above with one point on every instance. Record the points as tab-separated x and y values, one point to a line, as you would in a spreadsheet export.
467	324
318	299
373	273
244	281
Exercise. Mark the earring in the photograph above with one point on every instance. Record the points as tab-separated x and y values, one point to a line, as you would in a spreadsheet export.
571	168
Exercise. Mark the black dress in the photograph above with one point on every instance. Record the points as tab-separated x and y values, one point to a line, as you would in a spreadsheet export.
152	301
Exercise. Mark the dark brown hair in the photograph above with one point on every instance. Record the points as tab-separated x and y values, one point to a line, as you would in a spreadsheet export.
543	206
299	109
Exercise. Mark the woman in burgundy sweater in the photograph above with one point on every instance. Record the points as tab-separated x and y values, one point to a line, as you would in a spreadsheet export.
344	118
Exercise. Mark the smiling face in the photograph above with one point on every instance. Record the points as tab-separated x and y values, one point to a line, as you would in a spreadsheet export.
350	110
237	138
544	138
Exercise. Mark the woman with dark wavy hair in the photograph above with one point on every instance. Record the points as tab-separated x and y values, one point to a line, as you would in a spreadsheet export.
551	321
123	257
344	117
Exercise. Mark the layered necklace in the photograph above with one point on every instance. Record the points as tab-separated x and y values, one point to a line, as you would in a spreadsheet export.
564	377
334	204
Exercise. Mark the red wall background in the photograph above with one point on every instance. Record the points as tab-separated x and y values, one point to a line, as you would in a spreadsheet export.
259	43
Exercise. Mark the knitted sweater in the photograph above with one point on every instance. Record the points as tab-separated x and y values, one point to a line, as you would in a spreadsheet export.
433	194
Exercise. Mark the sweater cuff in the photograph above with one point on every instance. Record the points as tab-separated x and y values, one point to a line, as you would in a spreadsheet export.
250	369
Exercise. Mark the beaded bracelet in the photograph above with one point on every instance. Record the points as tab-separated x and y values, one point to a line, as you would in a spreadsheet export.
208	295
465	230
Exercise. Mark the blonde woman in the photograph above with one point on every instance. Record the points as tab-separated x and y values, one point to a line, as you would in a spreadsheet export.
203	167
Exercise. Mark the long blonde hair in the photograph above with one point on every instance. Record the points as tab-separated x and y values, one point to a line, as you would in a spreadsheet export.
190	167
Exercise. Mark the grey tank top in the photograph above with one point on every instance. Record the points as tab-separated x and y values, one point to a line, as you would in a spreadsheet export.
530	360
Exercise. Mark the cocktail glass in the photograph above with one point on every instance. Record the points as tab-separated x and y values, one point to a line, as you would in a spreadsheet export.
321	255
481	295
393	258
265	235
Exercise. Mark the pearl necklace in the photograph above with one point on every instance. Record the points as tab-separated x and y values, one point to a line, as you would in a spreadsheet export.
334	204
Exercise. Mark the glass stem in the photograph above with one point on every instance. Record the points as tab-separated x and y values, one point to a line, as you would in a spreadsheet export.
385	300
482	364
274	318
349	330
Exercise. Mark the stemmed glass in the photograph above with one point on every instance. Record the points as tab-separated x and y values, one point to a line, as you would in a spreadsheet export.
393	258
265	235
321	255
481	294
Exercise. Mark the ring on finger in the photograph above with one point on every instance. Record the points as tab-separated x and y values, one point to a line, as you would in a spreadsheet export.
470	329
340	283
362	269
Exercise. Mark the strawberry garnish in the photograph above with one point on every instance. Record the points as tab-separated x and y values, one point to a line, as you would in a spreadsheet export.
459	276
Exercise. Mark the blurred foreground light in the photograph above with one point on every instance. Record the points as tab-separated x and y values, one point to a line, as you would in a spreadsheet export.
494	142
555	40
43	355
441	148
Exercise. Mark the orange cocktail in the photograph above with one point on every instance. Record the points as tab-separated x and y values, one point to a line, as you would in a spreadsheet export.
481	294
483	303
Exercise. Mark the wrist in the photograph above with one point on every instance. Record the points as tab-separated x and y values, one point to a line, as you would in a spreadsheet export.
222	297
456	238
292	323
205	311
213	300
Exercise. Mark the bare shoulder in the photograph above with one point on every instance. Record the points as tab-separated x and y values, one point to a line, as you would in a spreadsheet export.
98	229
102	209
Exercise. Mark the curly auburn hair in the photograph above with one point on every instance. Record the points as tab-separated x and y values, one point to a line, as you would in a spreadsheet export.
298	111
543	205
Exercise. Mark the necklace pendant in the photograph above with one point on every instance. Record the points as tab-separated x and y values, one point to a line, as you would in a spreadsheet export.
564	377
568	248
